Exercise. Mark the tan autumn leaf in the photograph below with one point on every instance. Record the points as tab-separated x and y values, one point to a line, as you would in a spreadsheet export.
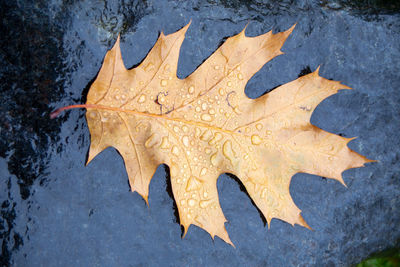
205	125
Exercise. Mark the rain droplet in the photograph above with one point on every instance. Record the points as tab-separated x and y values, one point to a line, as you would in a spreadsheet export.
198	109
149	67
211	111
240	76
229	83
255	139
164	83
213	159
216	67
92	114
185	140
228	151
191	89
217	137
205	203
185	128
176	129
204	106
175	150
193	184
206	117
191	202
221	91
142	98
256	187
207	150
203	171
205	194
206	135
183	202
151	141
237	110
264	192
164	143
259	126
197	132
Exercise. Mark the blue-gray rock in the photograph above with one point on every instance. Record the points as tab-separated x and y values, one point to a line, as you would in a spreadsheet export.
57	212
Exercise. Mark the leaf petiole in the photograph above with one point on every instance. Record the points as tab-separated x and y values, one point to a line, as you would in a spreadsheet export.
55	113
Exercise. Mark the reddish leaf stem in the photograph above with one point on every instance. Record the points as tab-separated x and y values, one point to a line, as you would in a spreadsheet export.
55	113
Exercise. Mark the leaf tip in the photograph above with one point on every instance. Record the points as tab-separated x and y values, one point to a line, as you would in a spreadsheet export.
90	157
224	236
349	139
370	160
290	30
117	42
185	230
303	223
186	27
243	32
340	180
146	199
93	152
230	243
269	223
343	86
316	72
367	160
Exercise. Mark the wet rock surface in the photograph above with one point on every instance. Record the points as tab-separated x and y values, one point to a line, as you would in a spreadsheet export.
56	211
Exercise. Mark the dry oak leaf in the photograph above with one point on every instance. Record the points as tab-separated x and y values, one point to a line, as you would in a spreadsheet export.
205	125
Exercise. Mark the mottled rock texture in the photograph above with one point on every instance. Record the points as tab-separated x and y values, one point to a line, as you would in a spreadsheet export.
57	212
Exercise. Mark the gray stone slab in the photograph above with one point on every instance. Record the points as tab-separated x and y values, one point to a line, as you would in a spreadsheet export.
57	212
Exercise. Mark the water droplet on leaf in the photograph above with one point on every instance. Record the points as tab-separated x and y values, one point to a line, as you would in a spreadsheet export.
255	139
